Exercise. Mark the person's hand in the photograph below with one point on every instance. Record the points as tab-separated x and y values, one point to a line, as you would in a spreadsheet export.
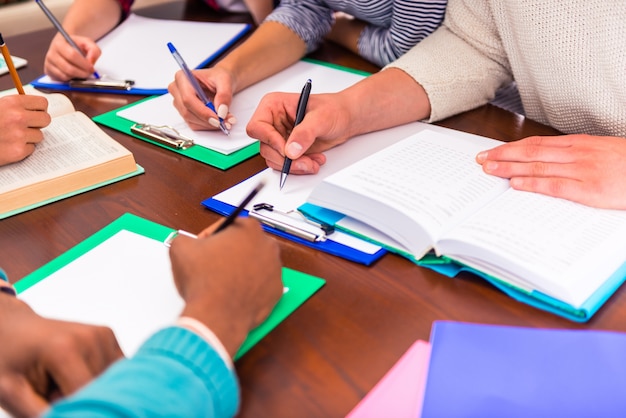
586	169
63	62
42	360
21	120
199	117
230	281
324	126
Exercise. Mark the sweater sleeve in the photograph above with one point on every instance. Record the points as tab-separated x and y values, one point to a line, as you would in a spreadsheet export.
174	373
125	5
462	64
411	22
311	20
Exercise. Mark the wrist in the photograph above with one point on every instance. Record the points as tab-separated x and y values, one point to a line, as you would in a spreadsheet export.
207	335
229	329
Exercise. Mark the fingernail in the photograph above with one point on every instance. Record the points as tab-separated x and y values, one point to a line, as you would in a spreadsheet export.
293	150
300	166
228	126
232	120
222	111
481	157
214	122
490	166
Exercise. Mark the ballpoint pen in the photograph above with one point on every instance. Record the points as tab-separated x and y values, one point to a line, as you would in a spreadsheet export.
194	82
300	111
9	61
62	31
231	218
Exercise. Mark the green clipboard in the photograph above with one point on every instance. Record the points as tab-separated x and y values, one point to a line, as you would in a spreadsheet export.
301	286
197	152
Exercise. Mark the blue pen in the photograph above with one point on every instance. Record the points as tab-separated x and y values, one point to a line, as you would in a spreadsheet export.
58	27
196	85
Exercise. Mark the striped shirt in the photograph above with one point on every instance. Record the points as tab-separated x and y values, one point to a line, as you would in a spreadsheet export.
393	26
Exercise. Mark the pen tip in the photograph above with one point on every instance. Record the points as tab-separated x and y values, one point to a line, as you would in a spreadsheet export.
283	179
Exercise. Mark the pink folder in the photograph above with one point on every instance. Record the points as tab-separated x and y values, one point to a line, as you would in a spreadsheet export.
400	392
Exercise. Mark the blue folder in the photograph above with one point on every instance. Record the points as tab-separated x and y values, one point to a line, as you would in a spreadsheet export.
327	246
499	371
451	268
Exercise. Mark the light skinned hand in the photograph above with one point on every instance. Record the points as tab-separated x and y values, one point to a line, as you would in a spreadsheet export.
229	280
63	62
586	169
42	360
218	84
325	125
21	119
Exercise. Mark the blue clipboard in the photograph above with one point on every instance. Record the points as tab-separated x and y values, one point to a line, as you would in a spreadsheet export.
39	83
327	246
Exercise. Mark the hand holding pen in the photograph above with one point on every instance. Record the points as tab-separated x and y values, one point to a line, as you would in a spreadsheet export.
300	111
196	85
56	65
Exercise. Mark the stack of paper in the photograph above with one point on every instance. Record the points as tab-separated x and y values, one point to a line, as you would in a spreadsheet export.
499	371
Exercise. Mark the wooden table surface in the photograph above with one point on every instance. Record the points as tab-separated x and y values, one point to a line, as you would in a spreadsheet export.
325	357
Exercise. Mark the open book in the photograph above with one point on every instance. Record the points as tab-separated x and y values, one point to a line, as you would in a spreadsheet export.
74	156
426	193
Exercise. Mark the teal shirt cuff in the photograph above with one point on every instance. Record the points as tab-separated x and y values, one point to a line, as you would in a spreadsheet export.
174	373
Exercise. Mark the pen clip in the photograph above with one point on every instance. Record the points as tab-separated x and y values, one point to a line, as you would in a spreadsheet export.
302	228
102	83
165	135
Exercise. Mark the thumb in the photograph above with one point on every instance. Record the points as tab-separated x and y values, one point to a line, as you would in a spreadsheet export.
19	398
299	141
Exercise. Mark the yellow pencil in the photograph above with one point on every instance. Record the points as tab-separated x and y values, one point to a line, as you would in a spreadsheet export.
12	70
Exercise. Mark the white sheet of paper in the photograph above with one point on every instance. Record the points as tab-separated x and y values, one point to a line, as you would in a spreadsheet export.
137	49
297	188
125	283
160	111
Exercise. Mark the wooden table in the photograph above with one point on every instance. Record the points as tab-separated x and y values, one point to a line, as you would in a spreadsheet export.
325	357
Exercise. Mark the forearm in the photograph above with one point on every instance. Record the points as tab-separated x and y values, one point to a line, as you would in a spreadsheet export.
383	100
269	50
92	18
149	383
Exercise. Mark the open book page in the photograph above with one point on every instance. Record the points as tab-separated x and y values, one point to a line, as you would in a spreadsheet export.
72	142
413	190
58	104
160	111
125	283
561	248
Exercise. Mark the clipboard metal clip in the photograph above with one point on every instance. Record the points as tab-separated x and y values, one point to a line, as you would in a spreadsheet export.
301	227
102	83
165	135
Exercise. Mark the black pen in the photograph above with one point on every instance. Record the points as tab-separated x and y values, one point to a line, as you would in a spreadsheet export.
231	218
300	111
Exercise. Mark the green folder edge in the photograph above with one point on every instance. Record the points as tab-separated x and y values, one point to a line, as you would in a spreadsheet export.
301	286
139	170
196	152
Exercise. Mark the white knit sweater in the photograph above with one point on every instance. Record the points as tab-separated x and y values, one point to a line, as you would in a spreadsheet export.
568	58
